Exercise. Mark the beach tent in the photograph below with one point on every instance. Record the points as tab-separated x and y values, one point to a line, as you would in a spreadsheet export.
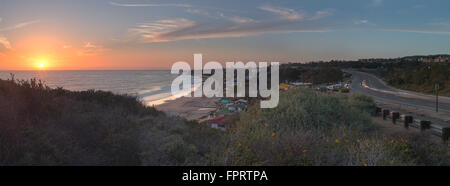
242	101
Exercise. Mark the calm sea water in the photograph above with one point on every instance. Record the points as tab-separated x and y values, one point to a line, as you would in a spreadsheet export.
152	86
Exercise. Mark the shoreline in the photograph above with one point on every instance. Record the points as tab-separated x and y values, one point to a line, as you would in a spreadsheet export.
189	108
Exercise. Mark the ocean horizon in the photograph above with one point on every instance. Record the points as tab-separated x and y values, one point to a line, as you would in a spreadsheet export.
150	86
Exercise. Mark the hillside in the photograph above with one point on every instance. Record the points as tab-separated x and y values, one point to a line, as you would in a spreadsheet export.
311	128
43	126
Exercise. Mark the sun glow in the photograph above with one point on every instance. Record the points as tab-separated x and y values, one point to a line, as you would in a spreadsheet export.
41	64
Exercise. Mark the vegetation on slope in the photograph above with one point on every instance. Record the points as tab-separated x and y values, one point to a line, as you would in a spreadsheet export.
310	128
420	77
43	126
316	75
409	75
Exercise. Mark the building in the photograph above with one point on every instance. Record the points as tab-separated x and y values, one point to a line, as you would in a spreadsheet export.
217	123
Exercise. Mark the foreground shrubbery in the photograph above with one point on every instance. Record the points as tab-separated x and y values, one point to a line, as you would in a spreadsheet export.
43	126
310	128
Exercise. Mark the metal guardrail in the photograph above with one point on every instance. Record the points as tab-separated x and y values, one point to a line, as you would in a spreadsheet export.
409	121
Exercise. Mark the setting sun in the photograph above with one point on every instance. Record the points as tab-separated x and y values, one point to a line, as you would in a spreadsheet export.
41	64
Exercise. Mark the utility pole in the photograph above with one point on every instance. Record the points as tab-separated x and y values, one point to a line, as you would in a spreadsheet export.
436	89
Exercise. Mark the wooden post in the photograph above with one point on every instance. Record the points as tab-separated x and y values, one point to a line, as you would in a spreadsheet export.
395	116
425	125
408	120
445	133
385	113
436	89
377	111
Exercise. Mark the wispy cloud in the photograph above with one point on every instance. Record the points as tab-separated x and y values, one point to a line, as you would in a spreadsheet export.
153	31
418	30
285	13
19	25
182	29
241	20
5	43
286	20
322	14
90	49
151	5
429	28
361	22
198	12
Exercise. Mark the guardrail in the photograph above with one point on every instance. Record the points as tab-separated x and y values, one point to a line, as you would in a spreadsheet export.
408	121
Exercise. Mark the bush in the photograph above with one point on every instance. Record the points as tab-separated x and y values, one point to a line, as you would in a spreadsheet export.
43	126
311	128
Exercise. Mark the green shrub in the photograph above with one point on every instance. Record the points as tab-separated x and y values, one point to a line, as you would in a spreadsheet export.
43	126
311	128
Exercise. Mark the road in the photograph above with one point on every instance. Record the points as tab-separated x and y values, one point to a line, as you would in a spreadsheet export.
420	105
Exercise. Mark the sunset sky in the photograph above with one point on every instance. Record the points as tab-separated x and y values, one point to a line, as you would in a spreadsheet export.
153	34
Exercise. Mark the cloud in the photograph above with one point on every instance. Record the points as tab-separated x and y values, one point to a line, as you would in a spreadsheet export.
418	30
152	32
285	13
152	5
377	3
322	13
19	25
361	22
197	11
202	13
235	26
182	29
241	20
428	28
238	19
90	49
5	43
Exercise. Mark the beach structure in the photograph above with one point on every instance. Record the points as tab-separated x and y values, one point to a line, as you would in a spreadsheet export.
301	84
285	86
217	123
231	108
211	116
242	101
241	107
225	101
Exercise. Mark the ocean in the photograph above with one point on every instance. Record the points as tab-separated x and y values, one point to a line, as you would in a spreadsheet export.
151	86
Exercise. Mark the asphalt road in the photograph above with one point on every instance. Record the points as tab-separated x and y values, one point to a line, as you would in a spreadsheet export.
370	85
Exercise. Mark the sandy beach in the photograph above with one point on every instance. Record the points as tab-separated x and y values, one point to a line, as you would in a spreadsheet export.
190	108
